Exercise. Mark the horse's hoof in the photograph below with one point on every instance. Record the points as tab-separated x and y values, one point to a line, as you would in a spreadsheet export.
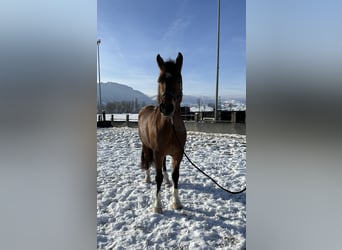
176	206
157	210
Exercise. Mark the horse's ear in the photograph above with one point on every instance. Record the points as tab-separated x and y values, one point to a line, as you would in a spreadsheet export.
179	61
160	62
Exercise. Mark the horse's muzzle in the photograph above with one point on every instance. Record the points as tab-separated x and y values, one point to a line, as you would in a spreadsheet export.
166	109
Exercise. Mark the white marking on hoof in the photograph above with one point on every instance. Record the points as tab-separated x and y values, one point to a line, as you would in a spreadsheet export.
157	208
147	176
175	202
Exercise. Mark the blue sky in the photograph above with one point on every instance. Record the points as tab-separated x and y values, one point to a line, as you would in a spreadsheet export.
133	32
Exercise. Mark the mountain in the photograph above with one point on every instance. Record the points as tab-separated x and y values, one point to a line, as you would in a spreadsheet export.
189	100
225	102
116	92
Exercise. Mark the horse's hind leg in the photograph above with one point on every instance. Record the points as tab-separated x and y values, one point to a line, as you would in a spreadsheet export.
166	176
147	176
146	160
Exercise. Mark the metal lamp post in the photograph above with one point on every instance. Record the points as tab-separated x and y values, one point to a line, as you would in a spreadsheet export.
98	68
218	60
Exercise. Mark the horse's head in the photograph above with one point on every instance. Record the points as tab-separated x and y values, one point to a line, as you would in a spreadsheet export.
170	90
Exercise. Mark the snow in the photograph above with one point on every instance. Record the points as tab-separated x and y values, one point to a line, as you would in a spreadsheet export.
202	108
210	219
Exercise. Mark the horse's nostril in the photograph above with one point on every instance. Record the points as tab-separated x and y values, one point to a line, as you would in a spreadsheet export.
166	109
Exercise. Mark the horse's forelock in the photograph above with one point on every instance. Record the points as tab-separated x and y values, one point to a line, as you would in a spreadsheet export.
169	71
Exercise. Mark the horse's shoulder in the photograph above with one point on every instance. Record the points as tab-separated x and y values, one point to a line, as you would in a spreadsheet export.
147	108
148	113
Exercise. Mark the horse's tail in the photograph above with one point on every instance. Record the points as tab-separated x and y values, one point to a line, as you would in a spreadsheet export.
146	158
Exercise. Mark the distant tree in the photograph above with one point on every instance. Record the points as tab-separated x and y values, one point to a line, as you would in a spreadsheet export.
135	110
110	107
124	107
212	105
230	105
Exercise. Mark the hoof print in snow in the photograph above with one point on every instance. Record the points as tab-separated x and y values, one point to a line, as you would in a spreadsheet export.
129	217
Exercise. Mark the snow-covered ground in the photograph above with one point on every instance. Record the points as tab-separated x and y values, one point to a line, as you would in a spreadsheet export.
210	219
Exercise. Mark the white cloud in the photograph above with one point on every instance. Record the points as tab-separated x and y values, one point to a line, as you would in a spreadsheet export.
176	28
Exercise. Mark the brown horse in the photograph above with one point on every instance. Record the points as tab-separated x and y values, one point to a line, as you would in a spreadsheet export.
159	126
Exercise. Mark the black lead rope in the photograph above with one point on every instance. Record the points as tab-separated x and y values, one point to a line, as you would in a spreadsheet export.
193	164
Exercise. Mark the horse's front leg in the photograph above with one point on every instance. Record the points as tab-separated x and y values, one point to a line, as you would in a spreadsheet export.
146	160
175	202
165	174
158	161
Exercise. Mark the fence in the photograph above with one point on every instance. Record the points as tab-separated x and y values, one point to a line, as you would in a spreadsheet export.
225	116
229	122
